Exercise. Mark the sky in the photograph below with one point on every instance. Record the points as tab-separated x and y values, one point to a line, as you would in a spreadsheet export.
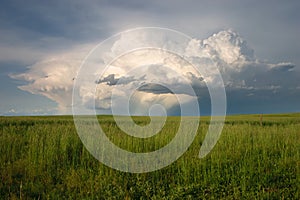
255	45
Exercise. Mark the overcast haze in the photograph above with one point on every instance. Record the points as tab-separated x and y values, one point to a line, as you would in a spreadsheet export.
254	43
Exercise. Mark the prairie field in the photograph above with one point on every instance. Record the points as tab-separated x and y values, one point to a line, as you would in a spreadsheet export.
44	158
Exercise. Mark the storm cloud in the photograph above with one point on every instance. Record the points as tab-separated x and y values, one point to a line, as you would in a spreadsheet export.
248	80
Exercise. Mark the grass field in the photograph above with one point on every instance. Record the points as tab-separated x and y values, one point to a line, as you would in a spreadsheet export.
43	158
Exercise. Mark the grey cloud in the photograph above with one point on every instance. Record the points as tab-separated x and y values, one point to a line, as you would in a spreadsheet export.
123	80
154	89
195	80
283	67
198	90
258	76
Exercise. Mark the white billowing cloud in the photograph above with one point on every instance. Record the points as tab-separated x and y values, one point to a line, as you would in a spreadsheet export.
225	47
240	68
229	47
150	76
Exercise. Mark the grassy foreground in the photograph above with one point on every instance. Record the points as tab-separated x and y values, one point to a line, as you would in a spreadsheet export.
43	158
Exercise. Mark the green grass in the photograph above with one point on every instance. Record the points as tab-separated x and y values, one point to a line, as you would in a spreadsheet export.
43	158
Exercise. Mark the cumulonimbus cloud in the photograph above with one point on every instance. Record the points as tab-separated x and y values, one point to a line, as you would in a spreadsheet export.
240	69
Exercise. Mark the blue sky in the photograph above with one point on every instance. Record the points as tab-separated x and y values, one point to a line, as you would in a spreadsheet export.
34	31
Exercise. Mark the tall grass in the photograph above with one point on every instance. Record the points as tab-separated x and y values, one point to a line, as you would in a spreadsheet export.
43	158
